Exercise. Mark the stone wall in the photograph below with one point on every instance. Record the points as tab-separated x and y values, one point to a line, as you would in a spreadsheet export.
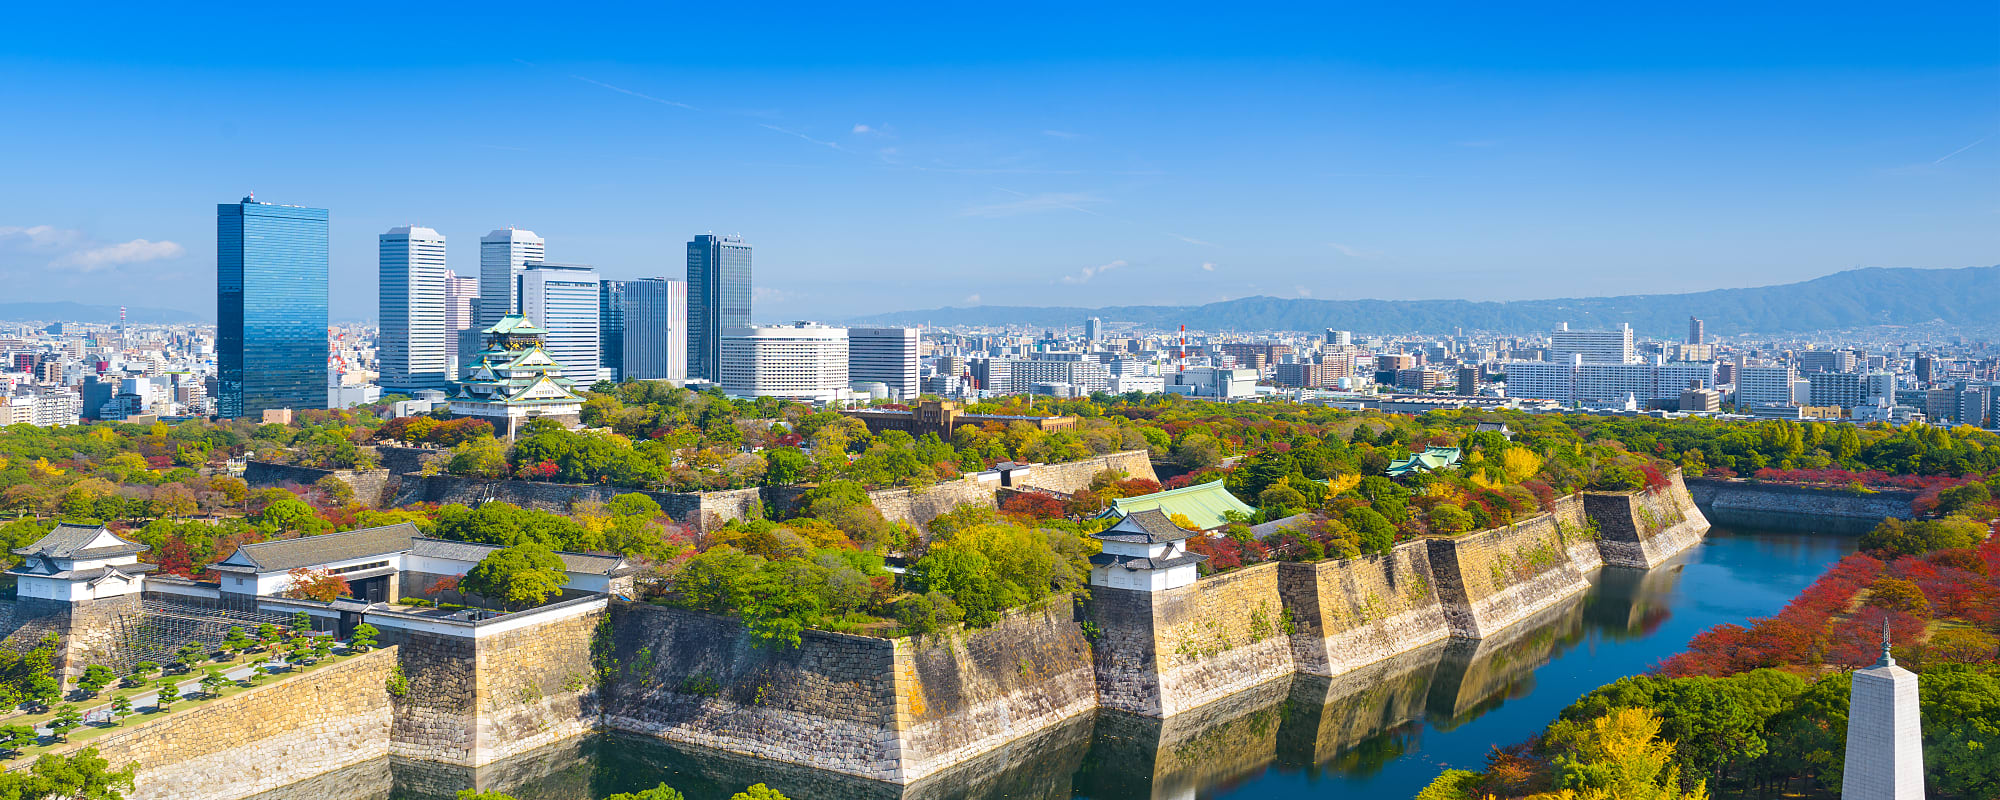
267	737
1349	613
918	506
24	621
1161	653
1491	579
435	719
1795	508
1067	478
536	686
703	510
369	485
1644	528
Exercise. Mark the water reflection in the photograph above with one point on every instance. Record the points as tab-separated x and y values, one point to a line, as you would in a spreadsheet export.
1382	730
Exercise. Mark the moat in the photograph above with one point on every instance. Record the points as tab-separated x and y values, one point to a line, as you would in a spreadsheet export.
1384	731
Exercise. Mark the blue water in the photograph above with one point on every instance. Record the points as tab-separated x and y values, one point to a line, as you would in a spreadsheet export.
1381	734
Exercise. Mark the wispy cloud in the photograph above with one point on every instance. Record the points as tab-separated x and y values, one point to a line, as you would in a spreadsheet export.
38	237
862	128
1191	240
766	294
1207	266
972	299
1303	291
1062	134
789	132
1092	272
1355	252
624	90
137	251
1982	140
1035	204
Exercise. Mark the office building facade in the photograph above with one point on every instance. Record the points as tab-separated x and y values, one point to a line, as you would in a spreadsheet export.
611	328
1595	347
718	290
889	355
1600	383
411	346
271	283
654	337
461	296
801	361
1764	385
561	300
503	255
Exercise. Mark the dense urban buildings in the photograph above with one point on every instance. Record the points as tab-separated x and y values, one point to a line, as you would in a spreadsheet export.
461	296
719	294
271	283
413	332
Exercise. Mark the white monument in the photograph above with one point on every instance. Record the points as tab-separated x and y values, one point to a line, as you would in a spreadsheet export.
1885	746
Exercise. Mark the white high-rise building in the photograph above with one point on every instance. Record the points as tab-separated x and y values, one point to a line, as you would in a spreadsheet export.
503	254
460	298
1596	347
801	361
412	346
1600	383
655	330
889	355
1764	386
562	300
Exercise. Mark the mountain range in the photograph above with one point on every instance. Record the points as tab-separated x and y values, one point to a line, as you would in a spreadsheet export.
1967	298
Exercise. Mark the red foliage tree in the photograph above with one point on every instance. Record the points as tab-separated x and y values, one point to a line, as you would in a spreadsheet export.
1034	505
313	584
174	557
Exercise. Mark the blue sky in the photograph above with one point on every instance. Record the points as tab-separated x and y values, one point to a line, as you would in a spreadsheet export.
884	157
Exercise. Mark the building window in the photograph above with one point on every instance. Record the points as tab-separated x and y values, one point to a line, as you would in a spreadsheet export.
358	567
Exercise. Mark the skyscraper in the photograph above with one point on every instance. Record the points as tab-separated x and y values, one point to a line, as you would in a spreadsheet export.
461	296
655	329
718	287
562	300
1093	329
1697	334
412	304
502	256
889	355
270	307
611	328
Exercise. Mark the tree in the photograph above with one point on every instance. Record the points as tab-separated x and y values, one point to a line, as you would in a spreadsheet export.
95	678
140	672
785	466
523	575
1616	757
170	691
660	792
237	641
482	457
189	655
315	584
15	737
337	492
1448	518
301	623
121	707
67	719
214	682
83	775
758	792
364	638
174	500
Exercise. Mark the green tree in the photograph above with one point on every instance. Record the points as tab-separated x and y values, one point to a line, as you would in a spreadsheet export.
67	719
95	678
517	576
785	466
83	775
660	792
214	682
758	792
484	457
14	738
121	707
364	638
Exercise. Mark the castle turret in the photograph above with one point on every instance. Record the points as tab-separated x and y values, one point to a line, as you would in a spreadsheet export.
1145	551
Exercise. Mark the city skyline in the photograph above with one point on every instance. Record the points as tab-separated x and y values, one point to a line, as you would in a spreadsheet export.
1487	154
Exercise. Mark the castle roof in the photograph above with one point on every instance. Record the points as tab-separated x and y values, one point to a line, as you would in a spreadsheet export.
73	541
1149	526
515	325
1203	504
312	551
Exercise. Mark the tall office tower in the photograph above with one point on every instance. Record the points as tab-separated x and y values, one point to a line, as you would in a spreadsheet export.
411	347
718	280
889	355
502	256
611	328
1339	338
461	296
655	341
562	300
1697	334
1925	371
1596	347
270	307
1093	329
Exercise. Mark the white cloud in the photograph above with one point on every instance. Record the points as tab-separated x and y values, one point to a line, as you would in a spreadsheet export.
1207	266
1035	204
861	128
40	237
1091	272
137	251
766	294
1303	291
1354	252
972	299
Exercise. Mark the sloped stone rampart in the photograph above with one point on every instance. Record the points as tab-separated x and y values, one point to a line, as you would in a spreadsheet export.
1491	579
1349	613
1644	528
536	687
267	737
1795	508
1068	478
1161	653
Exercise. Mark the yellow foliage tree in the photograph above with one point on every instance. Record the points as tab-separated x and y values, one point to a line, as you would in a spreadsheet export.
1520	464
1341	483
1618	757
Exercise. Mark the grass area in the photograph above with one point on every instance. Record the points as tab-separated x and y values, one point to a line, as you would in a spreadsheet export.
87	732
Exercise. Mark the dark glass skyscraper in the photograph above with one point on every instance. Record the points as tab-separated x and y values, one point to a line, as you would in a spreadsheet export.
270	307
611	327
718	299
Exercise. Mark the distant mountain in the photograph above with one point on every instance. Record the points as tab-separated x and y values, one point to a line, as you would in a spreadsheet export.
1968	297
78	312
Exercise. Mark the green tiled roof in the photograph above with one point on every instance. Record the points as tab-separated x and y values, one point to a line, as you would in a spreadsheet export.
515	324
1203	504
1431	459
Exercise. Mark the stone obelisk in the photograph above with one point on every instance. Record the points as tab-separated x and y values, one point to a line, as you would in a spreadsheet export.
1885	744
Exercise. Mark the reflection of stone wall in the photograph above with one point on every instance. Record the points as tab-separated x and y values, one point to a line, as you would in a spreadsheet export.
1474	675
1492	579
1643	528
1165	759
1160	653
1795	508
264	738
1345	614
1326	717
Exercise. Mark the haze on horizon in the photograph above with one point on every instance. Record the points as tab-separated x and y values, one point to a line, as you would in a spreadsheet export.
917	157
